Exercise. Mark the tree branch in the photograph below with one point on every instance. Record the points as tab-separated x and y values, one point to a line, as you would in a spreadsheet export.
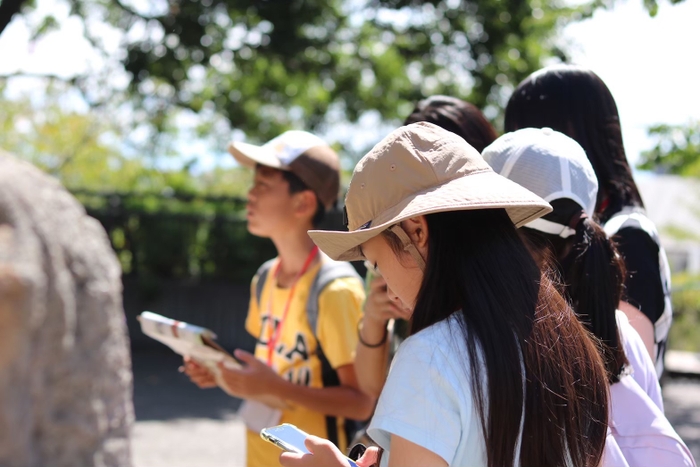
8	8
77	82
131	11
21	74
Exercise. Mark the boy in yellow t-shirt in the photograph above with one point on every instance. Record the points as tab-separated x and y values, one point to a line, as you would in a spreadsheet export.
302	357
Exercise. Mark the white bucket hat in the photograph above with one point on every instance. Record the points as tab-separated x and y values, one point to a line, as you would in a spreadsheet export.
421	169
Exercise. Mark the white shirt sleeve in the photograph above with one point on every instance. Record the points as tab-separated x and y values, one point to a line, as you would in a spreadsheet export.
643	370
612	455
423	400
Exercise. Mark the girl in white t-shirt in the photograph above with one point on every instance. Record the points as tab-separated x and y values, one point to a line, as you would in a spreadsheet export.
497	371
555	167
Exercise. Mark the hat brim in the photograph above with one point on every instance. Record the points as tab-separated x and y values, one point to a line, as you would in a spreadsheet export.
249	155
483	190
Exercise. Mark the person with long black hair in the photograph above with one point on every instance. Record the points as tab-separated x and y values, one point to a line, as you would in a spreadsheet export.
498	371
456	115
592	274
384	324
576	102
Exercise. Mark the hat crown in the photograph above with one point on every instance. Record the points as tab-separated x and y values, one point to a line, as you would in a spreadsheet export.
291	144
546	162
413	159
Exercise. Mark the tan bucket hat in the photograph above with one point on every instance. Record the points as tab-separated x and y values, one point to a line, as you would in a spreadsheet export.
421	169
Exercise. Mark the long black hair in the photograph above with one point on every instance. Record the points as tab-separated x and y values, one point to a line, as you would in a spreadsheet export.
576	102
514	318
455	115
592	274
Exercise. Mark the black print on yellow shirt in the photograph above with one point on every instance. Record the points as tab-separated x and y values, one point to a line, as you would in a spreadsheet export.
300	349
300	376
264	328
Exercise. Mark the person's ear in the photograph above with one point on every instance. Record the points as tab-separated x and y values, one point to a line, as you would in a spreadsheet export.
417	230
305	204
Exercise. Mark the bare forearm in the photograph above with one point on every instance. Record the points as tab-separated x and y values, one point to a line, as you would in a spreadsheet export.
374	359
339	401
374	368
643	326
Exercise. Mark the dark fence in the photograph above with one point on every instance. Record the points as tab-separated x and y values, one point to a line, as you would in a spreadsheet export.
178	236
182	236
221	307
185	256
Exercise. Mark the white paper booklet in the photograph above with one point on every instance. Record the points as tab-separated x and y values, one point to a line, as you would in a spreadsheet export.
197	343
185	339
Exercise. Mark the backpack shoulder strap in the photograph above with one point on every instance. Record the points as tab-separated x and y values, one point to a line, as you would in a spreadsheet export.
329	271
632	217
262	273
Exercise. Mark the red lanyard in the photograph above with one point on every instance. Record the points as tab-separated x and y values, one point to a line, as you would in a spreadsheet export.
276	333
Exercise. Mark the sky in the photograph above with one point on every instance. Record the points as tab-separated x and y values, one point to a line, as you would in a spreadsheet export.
650	64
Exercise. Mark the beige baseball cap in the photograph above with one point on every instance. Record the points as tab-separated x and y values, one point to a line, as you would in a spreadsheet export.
421	169
302	153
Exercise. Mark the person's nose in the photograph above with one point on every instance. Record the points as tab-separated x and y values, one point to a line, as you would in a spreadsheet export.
251	194
393	297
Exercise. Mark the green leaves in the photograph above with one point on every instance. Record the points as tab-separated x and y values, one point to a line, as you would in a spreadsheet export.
85	151
677	150
48	24
685	332
269	66
265	67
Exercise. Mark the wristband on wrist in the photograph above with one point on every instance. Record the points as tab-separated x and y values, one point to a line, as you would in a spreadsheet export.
371	346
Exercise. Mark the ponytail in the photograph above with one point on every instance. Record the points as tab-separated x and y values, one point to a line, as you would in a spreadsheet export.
593	272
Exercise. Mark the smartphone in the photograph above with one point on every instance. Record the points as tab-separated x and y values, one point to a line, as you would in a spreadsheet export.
286	437
289	438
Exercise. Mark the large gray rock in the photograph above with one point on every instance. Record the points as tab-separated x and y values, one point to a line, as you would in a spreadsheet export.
65	370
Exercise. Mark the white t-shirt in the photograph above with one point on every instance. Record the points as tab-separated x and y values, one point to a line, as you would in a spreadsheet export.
641	434
428	400
643	370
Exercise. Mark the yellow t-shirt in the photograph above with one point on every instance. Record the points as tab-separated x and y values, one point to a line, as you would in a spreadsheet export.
296	356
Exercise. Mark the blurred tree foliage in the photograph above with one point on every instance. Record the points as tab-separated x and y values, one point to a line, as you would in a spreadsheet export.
677	150
268	65
68	144
685	332
652	6
162	223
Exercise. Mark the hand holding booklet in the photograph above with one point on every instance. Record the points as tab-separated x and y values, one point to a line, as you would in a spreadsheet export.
186	339
196	342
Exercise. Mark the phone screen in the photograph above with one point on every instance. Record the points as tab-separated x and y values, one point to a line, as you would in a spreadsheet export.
290	438
287	437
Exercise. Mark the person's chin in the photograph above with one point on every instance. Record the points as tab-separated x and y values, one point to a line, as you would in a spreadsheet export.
256	230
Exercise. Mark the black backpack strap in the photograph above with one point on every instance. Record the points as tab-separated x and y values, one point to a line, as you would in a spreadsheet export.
262	273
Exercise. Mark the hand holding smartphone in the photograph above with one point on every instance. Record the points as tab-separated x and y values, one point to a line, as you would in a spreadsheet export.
286	437
290	438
